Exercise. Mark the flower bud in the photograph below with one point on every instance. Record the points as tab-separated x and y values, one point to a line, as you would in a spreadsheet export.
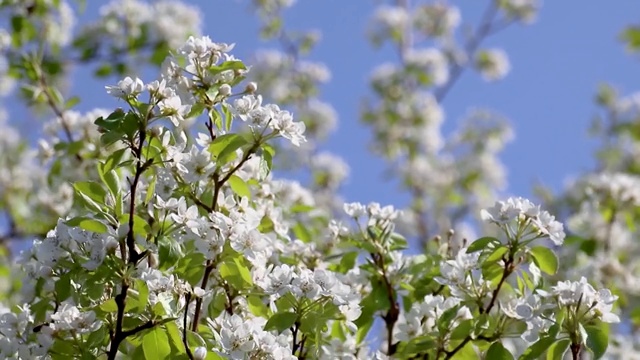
224	90
155	131
251	87
199	353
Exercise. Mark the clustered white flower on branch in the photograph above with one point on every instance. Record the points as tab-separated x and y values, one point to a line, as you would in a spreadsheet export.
289	78
182	250
406	114
185	246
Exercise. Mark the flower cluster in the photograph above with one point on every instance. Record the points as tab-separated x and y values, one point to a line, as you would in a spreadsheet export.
172	238
520	216
242	338
584	300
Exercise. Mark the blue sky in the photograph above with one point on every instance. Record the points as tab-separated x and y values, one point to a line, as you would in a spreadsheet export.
557	64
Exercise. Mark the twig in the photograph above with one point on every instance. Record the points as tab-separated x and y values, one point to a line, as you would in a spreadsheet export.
484	29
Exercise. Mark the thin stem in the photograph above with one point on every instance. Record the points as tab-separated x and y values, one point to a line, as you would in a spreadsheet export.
508	269
117	336
205	280
294	330
575	351
218	183
185	327
51	101
484	29
392	315
133	255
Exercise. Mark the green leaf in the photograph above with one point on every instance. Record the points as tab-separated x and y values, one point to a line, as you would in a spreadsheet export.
481	244
111	180
89	224
493	272
233	271
348	261
143	294
72	102
63	287
217	304
256	306
244	271
227	65
419	345
545	259
151	190
63	349
104	70
97	338
444	321
281	321
558	349
463	330
496	254
497	351
397	242
92	190
158	309
597	341
169	252
155	344
196	110
213	356
190	268
140	226
228	117
363	329
239	186
301	232
632	37
109	306
266	161
175	337
113	160
538	348
224	147
111	122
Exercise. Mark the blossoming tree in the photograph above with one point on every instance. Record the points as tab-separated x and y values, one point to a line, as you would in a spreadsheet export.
157	229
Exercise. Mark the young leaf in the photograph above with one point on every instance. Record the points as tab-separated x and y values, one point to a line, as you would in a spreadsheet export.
545	258
597	340
481	244
224	147
91	225
496	255
497	351
155	344
558	349
92	190
281	321
239	186
175	337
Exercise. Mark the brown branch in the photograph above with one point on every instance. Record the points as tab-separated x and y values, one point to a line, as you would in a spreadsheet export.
117	336
392	315
575	350
148	325
508	269
218	183
205	280
185	327
133	255
295	346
